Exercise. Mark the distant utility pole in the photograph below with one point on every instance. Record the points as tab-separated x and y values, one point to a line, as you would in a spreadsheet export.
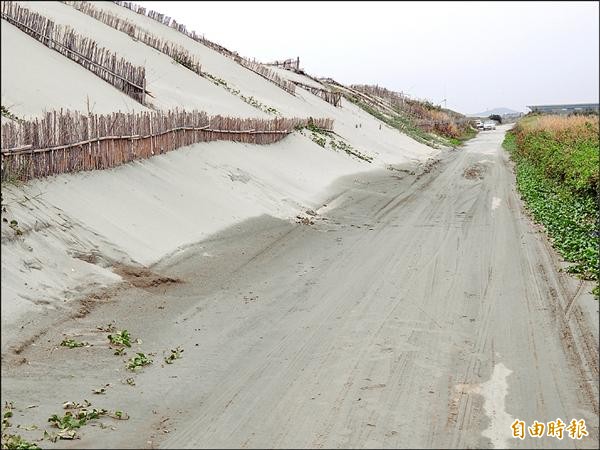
445	96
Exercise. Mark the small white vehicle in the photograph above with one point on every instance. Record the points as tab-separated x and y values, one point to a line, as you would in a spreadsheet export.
479	124
489	125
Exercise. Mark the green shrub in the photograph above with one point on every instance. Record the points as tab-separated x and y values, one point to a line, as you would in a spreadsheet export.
556	180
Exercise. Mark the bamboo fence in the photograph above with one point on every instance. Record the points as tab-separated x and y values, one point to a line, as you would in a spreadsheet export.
370	99
66	141
175	51
254	66
335	98
288	64
261	70
396	98
84	51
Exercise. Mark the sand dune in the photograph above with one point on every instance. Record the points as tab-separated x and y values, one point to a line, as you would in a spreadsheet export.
140	212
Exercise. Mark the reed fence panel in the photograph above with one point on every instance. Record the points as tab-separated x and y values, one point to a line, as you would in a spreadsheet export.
84	51
66	141
335	98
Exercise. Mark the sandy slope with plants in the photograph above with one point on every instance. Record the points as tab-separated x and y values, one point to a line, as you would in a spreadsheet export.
122	214
420	309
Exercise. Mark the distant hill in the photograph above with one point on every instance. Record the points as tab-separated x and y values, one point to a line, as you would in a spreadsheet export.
499	111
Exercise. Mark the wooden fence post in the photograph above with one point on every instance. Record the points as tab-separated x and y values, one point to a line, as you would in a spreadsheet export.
151	140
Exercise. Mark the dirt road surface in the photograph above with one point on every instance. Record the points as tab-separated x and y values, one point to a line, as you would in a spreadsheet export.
421	308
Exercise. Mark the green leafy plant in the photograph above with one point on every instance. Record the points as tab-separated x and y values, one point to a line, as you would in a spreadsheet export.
69	421
7	414
16	442
120	338
250	100
119	415
338	144
139	360
218	81
76	416
258	105
318	139
72	343
319	136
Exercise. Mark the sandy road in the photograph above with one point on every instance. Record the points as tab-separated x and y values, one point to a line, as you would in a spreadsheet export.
422	309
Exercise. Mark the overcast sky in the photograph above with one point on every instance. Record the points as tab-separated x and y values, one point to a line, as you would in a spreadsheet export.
476	55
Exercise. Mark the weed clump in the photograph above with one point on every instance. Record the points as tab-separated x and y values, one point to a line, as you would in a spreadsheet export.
76	416
121	338
16	442
72	343
139	360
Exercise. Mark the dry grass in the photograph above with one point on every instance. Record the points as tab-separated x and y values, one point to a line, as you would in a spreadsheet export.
444	123
564	148
558	126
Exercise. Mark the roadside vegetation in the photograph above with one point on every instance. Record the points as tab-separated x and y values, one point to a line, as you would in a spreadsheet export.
557	171
468	133
422	120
